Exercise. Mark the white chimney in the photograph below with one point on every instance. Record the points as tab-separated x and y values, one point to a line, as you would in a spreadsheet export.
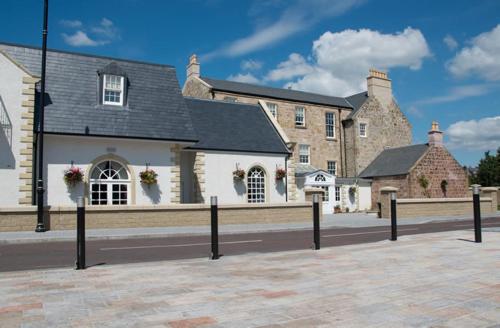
435	136
193	68
379	86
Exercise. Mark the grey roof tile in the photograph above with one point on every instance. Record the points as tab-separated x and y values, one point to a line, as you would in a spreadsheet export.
356	101
285	94
233	126
155	107
394	161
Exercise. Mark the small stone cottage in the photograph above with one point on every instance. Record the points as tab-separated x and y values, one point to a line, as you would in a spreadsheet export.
418	171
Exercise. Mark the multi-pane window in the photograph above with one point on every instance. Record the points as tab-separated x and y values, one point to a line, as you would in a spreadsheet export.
326	195
300	119
113	90
332	167
304	154
330	125
109	184
362	129
337	194
273	108
256	185
230	99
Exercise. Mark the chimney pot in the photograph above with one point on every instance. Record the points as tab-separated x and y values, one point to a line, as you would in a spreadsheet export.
435	135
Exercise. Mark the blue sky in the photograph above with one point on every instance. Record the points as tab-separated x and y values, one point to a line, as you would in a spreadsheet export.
442	56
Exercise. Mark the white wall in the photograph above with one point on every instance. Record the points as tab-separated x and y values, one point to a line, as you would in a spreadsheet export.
219	167
11	86
365	198
61	150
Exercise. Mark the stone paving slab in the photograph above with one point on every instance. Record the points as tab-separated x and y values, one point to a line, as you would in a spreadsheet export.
431	280
344	220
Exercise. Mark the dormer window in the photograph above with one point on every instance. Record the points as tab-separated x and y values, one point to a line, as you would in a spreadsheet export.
113	90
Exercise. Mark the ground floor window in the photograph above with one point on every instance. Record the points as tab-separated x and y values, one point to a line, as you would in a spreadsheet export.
337	194
109	184
256	185
326	195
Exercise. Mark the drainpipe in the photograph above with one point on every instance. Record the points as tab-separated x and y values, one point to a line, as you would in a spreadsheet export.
40	227
341	128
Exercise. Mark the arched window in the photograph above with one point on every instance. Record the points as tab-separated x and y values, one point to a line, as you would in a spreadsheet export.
320	178
256	184
109	184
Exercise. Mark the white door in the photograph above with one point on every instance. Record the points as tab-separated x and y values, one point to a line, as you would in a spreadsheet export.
327	200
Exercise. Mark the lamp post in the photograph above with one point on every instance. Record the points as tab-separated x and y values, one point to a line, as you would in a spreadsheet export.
40	227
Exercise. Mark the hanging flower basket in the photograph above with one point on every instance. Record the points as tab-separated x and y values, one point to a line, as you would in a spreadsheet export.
148	177
73	175
238	174
352	190
280	174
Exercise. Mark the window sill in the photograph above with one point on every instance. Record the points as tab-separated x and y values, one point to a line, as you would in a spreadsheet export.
331	138
300	127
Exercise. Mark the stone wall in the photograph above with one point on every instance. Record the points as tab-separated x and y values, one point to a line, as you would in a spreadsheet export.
410	208
438	165
100	217
195	87
398	181
386	127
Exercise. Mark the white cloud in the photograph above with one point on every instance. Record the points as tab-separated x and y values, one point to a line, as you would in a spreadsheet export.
106	28
70	23
415	111
458	93
340	61
450	42
251	65
296	65
481	58
81	39
300	15
483	134
245	78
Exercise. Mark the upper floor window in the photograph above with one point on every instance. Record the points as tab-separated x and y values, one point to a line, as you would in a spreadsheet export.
230	99
300	116
332	167
113	90
330	125
273	108
304	154
362	129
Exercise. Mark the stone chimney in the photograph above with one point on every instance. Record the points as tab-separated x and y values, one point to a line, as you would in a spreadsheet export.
435	136
379	86
193	68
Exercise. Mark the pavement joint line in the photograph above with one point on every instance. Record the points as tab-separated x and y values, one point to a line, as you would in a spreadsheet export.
365	233
472	224
181	245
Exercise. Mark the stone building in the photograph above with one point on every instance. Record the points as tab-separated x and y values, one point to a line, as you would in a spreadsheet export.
418	171
336	134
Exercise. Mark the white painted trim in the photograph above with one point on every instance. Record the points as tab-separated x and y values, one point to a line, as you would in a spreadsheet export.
122	91
278	127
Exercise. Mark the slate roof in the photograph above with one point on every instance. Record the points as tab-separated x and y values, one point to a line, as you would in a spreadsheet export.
277	93
352	181
356	101
302	170
231	126
394	161
155	107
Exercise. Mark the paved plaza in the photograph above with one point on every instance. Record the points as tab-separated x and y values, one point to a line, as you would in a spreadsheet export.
429	280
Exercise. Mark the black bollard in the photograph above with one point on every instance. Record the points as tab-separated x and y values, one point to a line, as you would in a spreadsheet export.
80	234
316	221
477	213
215	228
394	224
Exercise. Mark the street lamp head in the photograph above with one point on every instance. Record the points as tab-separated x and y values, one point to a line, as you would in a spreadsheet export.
213	200
315	198
475	189
393	195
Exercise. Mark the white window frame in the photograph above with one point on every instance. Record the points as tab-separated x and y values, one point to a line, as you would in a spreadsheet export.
121	90
331	167
273	109
365	131
337	194
110	182
330	125
256	185
304	152
298	109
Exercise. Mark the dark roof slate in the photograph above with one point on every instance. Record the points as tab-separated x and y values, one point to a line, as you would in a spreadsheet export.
356	101
231	126
394	161
155	107
277	93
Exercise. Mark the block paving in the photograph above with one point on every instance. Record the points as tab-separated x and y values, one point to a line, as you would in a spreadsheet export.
432	280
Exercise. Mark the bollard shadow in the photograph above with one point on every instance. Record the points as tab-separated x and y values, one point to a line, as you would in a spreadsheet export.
95	265
467	240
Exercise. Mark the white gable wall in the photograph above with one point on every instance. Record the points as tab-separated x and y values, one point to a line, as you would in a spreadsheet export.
61	150
11	86
219	167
